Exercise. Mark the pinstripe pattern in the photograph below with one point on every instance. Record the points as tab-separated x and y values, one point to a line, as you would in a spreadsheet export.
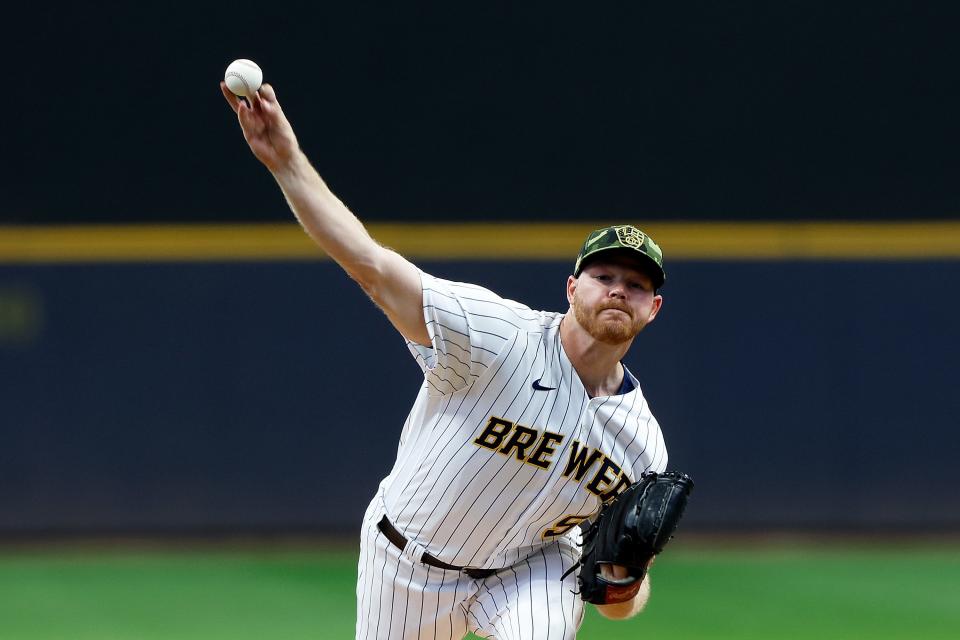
493	472
401	599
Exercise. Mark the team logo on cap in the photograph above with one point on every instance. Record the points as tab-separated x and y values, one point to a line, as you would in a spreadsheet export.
630	236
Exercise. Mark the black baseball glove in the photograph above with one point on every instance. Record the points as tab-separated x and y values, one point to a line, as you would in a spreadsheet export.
629	531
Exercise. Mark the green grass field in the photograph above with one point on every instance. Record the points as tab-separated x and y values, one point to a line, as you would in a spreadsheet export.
698	592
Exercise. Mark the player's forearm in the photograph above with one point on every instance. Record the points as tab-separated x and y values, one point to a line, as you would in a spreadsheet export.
327	220
630	608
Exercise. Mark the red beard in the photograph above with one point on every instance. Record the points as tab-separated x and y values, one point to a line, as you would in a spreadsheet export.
612	328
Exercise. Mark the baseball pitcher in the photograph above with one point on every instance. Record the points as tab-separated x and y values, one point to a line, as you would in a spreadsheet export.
530	475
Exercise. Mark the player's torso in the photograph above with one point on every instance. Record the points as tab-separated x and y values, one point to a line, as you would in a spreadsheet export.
519	457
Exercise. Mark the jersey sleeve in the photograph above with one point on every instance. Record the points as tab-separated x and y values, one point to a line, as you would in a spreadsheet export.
654	455
469	327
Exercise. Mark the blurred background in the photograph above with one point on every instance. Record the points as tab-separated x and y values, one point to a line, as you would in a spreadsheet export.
179	366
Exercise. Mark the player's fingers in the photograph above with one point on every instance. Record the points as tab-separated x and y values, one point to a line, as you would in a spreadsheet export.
253	106
248	118
270	105
269	109
267	93
618	571
232	100
248	115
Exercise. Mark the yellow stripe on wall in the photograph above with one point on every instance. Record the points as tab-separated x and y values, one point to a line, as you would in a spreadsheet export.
475	241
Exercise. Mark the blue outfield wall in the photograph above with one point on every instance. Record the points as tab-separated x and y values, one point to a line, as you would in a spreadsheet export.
270	396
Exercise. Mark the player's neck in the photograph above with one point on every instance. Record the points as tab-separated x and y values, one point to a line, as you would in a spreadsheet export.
597	363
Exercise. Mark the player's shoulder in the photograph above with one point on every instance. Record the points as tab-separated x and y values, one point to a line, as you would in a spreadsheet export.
482	301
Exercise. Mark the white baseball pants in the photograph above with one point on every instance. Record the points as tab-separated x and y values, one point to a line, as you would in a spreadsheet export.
400	598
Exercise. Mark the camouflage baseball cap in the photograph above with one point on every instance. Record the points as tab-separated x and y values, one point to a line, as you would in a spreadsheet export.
628	237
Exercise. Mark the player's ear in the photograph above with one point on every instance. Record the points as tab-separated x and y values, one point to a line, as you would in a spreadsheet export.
571	287
657	303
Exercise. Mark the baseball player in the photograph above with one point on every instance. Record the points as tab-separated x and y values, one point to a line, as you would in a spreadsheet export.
526	423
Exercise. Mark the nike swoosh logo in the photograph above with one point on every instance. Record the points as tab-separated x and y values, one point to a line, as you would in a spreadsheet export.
539	387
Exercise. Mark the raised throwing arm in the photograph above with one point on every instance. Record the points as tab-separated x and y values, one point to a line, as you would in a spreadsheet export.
390	280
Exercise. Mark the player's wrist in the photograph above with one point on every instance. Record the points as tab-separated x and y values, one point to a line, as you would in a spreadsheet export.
292	167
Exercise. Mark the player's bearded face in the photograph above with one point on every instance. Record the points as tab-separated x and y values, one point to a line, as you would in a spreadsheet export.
605	326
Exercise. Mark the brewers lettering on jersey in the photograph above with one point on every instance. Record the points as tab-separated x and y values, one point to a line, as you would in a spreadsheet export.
525	424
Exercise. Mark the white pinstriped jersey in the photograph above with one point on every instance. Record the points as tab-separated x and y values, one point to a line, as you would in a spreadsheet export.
503	447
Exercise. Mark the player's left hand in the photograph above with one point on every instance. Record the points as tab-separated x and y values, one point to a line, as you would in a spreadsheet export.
630	531
618	571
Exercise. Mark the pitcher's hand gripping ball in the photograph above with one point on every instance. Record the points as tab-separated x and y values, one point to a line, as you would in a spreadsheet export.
243	77
630	531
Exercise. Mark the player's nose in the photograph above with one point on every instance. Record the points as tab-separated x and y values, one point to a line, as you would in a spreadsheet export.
618	290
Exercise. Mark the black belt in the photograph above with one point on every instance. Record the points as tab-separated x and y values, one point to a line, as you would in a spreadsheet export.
397	539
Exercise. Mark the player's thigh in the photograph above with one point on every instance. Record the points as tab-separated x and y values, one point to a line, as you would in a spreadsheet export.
530	601
398	599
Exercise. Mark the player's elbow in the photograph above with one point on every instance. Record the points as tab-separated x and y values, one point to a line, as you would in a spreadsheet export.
367	270
376	265
373	275
382	274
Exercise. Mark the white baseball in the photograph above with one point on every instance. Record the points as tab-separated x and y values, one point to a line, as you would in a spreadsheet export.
243	77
